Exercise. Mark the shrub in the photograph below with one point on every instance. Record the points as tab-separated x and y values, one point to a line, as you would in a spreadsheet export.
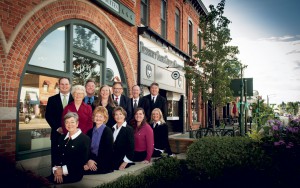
166	172
210	157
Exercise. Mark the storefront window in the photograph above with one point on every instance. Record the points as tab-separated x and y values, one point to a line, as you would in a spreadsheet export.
173	108
34	131
50	53
86	40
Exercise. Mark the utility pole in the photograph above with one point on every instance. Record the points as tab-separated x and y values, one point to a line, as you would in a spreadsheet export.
242	124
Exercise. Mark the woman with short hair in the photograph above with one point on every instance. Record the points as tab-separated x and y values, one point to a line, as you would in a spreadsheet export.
83	110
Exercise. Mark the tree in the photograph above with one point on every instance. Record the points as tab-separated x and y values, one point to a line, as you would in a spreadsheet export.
292	108
217	63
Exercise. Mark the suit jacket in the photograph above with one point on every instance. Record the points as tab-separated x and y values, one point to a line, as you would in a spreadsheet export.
160	103
125	103
143	103
105	152
93	105
54	110
123	146
161	138
74	154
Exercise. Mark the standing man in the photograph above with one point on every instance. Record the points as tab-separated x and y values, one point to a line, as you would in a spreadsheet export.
157	101
54	110
90	97
137	101
122	100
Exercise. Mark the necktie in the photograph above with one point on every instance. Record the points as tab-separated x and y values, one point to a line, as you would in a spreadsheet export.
89	101
153	100
64	101
135	104
117	100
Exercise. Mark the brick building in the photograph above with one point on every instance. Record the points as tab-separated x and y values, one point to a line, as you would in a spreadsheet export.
42	40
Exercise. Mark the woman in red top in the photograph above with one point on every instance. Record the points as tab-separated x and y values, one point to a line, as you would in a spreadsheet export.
143	137
83	110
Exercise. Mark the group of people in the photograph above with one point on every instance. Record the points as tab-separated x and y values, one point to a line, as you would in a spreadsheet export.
98	134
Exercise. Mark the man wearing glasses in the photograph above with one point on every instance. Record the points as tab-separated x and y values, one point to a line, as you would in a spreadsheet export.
122	100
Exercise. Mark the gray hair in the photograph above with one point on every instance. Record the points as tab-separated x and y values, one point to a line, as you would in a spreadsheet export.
71	115
78	87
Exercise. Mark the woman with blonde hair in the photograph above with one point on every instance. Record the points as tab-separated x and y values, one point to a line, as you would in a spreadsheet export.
83	110
105	100
161	135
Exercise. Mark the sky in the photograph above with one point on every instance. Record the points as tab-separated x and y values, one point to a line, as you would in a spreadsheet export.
267	33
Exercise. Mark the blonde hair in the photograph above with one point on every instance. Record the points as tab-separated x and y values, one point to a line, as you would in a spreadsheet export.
103	111
160	114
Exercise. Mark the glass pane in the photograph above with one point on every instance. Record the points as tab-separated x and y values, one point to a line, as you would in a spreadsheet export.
85	68
173	108
51	51
86	40
112	71
34	131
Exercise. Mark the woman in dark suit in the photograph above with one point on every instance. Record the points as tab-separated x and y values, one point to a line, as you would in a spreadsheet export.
100	161
72	152
123	150
161	135
105	100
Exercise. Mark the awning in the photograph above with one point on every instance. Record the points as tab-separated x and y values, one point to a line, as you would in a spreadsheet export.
32	97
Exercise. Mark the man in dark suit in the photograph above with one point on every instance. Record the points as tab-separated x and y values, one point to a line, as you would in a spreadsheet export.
54	110
138	101
157	101
90	97
122	100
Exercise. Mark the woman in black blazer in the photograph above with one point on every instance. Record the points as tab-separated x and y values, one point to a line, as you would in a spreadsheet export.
161	135
100	160
72	152
123	148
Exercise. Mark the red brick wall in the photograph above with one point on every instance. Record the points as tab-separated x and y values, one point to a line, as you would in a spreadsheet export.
123	37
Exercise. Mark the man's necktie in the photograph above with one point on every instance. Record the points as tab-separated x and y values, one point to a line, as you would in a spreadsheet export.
89	101
135	104
117	100
65	101
153	100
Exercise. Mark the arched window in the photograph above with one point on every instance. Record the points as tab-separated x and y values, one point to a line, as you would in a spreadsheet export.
74	49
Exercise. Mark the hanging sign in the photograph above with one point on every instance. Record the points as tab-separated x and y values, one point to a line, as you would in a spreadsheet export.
175	75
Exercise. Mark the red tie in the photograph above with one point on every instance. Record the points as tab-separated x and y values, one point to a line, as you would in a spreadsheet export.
116	99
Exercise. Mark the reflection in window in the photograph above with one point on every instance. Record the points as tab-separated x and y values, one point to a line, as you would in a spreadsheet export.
51	51
173	108
34	131
112	71
87	40
85	68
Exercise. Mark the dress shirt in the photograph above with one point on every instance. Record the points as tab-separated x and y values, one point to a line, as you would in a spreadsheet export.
86	99
154	98
62	97
96	138
115	134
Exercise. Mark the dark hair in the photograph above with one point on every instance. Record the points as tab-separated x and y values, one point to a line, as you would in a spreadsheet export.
119	108
90	80
133	122
154	84
115	83
110	102
64	78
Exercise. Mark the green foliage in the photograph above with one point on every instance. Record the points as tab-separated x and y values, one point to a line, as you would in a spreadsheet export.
168	172
212	156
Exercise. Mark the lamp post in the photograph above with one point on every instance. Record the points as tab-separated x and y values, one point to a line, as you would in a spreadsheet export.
242	124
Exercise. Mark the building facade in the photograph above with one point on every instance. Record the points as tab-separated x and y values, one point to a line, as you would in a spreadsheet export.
135	41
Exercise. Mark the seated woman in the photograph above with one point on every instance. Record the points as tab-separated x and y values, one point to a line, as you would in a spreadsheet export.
72	152
123	149
100	161
143	137
161	135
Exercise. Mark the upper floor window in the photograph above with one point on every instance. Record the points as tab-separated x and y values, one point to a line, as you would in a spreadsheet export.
177	28
144	12
199	40
163	18
190	41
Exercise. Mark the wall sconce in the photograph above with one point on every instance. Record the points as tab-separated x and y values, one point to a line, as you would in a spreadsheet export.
193	104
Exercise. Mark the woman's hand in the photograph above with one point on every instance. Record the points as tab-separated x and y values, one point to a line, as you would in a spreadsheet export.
146	162
123	166
92	165
58	175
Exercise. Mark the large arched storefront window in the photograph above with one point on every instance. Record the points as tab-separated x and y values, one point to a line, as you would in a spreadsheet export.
74	49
